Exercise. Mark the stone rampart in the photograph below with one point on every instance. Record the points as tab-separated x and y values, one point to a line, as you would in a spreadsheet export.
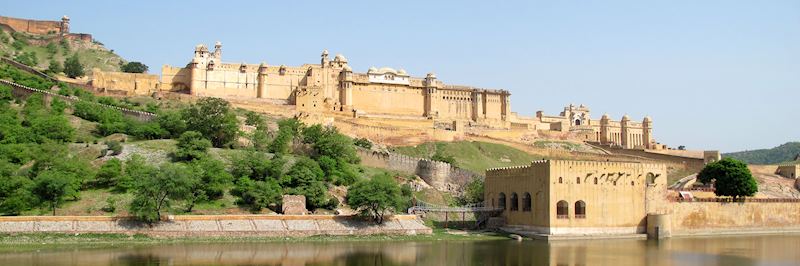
440	175
712	218
23	91
218	225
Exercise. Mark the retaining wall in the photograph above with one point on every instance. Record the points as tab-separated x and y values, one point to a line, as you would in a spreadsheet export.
714	218
440	175
218	225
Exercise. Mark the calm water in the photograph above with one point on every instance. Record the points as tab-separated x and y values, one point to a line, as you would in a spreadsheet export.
759	250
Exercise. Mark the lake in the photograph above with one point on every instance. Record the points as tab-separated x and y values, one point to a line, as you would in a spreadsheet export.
747	250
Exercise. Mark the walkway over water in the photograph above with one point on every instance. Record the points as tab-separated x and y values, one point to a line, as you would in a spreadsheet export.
480	211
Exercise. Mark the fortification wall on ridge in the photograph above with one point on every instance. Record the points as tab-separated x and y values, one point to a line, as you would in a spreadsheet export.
40	27
440	175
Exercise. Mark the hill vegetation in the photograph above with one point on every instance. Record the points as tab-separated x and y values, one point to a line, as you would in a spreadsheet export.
41	53
209	160
475	156
784	153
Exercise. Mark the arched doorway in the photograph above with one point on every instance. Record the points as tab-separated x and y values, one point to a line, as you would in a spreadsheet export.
514	202
501	201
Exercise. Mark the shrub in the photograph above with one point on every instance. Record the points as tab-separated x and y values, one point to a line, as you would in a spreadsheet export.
191	146
375	198
73	67
134	67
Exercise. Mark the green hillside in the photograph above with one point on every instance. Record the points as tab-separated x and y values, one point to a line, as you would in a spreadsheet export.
781	154
475	156
90	54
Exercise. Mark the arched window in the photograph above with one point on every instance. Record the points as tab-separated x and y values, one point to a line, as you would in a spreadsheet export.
514	202
595	180
560	180
578	180
527	202
580	210
577	122
562	210
502	201
651	178
632	184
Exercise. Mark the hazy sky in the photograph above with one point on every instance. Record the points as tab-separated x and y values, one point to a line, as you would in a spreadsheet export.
712	74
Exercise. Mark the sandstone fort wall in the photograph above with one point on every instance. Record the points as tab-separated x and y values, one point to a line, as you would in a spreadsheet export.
218	225
40	27
440	175
124	83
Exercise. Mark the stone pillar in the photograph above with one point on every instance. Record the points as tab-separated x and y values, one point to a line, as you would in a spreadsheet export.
604	136
262	81
659	226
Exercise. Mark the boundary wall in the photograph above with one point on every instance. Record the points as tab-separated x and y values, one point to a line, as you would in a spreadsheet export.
440	175
218	225
762	216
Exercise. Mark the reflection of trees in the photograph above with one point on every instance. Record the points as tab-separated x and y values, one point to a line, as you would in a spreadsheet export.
146	259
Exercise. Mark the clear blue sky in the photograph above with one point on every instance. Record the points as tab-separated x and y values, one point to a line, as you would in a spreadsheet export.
713	74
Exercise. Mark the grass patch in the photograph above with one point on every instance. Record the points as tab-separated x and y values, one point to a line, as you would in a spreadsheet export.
475	156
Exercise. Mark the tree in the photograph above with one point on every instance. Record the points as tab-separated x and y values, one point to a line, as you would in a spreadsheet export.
15	194
191	146
53	127
172	122
156	190
254	119
252	165
376	197
114	146
280	144
134	67
109	173
208	180
52	187
473	192
73	67
213	118
54	67
27	58
363	143
731	177
306	178
257	194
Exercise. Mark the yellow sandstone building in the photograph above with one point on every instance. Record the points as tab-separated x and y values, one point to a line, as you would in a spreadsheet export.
562	197
331	87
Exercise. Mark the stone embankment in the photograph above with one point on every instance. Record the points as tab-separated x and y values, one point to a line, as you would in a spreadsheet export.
218	225
439	175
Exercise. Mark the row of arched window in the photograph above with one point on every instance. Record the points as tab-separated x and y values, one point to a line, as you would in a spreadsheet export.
562	207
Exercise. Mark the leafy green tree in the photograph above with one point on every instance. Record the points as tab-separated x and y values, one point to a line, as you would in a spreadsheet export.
191	146
306	178
27	58
156	191
144	130
363	143
336	145
57	106
252	165
208	181
53	127
135	168
54	67
254	119
114	146
51	49
53	187
213	118
73	67
172	122
257	194
15	194
109	173
280	144
134	67
260	139
442	157
730	177
376	197
473	192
